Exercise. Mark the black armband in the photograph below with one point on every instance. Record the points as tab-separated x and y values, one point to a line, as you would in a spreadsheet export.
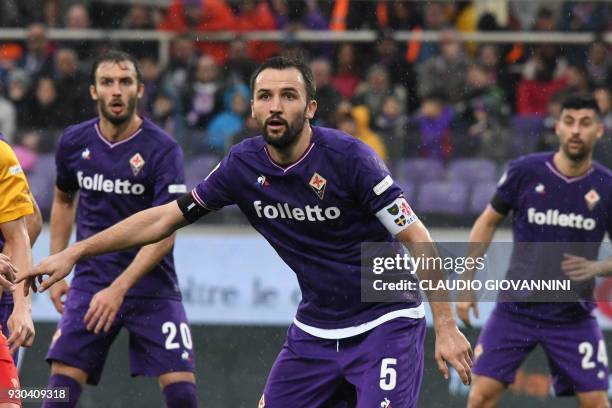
192	211
500	205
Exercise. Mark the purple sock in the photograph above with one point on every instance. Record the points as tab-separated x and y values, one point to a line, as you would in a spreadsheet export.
73	389
181	395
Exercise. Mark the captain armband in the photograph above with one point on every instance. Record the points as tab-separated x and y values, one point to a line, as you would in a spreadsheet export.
192	211
397	215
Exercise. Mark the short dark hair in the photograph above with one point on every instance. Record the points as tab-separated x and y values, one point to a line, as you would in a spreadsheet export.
581	101
282	63
115	56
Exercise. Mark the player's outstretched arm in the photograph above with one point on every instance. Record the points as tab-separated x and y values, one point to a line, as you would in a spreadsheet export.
63	213
451	344
17	247
105	304
481	236
142	228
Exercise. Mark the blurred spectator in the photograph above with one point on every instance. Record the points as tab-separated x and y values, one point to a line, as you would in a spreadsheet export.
545	20
448	69
18	90
480	124
77	18
376	88
604	101
203	98
107	14
51	13
576	80
402	73
250	129
164	113
353	15
435	17
489	58
598	63
542	77
230	122
76	104
603	149
363	132
392	125
11	13
151	78
256	16
583	16
196	16
346	77
139	18
327	96
403	15
27	149
46	114
183	59
38	57
8	119
238	67
433	125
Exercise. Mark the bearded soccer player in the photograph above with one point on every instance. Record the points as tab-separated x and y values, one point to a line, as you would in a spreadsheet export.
562	197
109	168
15	205
315	194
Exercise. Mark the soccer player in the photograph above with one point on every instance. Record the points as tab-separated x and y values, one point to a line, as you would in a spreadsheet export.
570	184
15	205
33	226
315	194
119	164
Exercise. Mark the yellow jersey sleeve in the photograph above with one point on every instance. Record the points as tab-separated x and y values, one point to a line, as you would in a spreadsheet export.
15	199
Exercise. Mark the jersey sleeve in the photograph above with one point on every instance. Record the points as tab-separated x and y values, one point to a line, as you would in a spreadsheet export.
377	192
66	179
507	191
169	174
15	199
214	192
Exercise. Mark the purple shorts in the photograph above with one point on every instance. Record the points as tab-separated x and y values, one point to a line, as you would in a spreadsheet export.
380	368
5	312
160	338
576	352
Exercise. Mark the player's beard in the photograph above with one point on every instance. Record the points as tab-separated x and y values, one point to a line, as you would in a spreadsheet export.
289	137
118	119
577	156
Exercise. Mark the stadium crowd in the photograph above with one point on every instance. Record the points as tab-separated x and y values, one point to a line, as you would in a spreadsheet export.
437	101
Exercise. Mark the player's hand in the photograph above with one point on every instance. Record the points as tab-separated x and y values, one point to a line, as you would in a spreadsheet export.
57	293
7	273
465	302
454	348
56	266
103	308
578	268
21	328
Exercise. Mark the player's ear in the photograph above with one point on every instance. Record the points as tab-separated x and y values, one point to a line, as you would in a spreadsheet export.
140	90
93	92
252	110
311	109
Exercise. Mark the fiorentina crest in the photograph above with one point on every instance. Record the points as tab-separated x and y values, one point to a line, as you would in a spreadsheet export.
136	163
318	183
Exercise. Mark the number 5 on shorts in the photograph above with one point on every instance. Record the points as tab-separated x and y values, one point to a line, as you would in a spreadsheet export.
388	375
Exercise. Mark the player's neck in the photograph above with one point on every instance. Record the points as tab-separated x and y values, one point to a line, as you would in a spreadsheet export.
116	133
569	167
291	154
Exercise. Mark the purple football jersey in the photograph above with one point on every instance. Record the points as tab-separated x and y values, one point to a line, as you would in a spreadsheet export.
316	213
550	207
114	181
